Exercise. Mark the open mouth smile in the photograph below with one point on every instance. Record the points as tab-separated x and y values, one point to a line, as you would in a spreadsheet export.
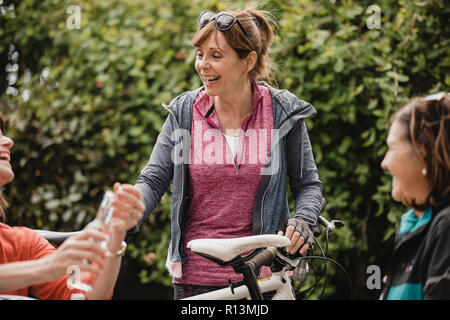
210	79
4	156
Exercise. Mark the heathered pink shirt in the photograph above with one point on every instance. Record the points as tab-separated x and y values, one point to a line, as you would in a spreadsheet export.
222	188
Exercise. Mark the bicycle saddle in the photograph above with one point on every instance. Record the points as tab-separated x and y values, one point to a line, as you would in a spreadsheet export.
227	249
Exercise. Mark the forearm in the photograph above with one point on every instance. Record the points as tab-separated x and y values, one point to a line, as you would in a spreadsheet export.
18	275
105	282
152	189
150	195
155	177
305	183
307	192
308	203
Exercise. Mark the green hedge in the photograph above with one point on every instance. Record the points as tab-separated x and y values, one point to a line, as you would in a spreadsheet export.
85	110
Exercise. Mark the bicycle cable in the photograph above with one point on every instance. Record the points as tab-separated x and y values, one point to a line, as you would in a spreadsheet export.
317	280
339	265
325	266
311	287
324	271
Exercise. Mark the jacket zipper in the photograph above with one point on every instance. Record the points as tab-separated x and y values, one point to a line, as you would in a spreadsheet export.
172	112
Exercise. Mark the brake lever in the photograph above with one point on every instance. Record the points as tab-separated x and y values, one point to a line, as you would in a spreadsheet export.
295	262
291	259
300	271
330	226
337	223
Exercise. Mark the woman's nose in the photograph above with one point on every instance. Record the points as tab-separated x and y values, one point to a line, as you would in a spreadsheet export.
203	63
384	163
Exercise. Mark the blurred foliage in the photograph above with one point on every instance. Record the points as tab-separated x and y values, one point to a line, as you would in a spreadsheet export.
84	107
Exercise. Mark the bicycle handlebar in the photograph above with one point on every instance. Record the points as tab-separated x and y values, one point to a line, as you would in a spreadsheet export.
264	258
269	255
333	224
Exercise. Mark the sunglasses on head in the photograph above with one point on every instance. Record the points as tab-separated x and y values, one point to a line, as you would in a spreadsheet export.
224	21
435	97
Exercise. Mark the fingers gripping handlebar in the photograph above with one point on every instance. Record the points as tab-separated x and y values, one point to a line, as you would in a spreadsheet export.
301	227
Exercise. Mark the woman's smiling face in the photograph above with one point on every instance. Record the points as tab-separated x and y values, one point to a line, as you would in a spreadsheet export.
219	67
405	166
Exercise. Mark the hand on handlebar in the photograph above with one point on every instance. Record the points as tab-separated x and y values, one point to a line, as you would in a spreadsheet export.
299	233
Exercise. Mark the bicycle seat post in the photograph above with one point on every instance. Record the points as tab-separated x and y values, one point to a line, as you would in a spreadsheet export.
249	280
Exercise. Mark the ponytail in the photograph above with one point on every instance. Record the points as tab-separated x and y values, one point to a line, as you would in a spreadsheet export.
263	40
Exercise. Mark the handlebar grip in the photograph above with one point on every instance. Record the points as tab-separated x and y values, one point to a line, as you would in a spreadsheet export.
264	258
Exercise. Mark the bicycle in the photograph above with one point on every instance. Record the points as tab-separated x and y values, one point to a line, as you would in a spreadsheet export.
267	252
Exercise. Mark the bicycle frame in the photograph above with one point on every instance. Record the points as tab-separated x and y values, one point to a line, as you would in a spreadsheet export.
279	282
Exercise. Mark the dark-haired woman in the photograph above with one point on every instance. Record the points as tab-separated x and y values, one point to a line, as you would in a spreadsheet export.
228	147
418	158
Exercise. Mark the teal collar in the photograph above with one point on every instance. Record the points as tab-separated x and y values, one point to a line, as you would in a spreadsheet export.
410	222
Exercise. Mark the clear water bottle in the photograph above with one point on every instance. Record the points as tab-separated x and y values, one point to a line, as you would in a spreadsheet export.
102	223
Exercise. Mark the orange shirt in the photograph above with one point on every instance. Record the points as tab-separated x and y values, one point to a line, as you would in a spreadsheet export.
23	244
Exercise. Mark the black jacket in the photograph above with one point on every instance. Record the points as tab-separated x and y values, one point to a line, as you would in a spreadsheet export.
420	264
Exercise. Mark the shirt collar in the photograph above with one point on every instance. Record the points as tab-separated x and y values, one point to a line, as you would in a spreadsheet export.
410	222
203	102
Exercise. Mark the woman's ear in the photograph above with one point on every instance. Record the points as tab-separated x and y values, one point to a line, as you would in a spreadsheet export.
251	60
